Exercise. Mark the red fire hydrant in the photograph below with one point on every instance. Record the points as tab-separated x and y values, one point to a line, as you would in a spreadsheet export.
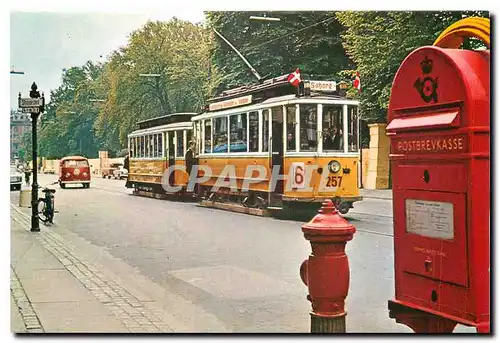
326	272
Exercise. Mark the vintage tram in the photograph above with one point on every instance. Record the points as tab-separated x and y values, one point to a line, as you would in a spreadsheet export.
158	144
304	140
281	128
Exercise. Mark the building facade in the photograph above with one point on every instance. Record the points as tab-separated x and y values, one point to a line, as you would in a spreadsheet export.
20	124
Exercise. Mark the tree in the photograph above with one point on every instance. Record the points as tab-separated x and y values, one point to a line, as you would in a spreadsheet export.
70	115
378	42
309	40
178	52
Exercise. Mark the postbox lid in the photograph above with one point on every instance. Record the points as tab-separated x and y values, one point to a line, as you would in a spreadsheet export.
434	79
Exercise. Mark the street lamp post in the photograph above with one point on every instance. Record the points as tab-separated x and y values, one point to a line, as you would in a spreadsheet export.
35	106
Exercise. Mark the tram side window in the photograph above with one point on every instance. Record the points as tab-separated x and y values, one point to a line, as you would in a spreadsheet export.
253	131
151	146
189	135
160	145
208	133
180	143
352	128
333	139
238	133
290	128
308	127
220	135
265	130
142	146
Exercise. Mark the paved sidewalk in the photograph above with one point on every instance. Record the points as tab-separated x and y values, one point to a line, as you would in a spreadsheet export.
53	290
385	194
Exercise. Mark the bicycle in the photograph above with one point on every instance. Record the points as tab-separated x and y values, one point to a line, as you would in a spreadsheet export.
45	205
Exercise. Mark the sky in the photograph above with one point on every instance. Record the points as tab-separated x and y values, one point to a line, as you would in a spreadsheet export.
42	44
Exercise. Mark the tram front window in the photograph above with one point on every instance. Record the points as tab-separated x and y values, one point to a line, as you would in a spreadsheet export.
220	135
308	127
290	128
238	132
332	128
208	134
352	128
265	130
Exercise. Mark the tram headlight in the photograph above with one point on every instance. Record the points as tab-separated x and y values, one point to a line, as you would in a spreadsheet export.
334	166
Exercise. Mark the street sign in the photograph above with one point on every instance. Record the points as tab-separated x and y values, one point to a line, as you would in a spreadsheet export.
30	110
30	102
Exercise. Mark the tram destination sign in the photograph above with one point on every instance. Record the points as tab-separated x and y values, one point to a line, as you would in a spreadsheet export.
325	86
244	100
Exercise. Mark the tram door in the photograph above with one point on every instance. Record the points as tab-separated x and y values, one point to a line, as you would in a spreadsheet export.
171	157
277	147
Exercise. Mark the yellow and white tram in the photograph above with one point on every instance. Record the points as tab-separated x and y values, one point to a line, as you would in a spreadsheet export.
312	139
158	144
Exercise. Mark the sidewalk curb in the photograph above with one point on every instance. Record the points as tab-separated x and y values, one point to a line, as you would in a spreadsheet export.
133	313
30	319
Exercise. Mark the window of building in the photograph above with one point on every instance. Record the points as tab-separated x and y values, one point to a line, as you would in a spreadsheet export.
352	128
220	135
253	131
180	143
290	128
238	132
189	137
265	130
208	134
333	123
308	127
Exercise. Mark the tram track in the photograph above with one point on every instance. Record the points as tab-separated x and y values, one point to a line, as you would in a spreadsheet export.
352	216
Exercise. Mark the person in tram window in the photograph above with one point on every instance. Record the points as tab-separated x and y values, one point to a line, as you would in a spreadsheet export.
337	140
327	140
290	142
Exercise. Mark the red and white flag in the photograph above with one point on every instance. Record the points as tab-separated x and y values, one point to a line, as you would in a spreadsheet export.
294	78
356	83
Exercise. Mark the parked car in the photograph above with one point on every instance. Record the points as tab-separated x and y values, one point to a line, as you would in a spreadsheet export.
120	173
109	170
74	169
16	178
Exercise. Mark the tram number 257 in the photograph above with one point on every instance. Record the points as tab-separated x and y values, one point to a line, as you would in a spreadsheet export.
333	181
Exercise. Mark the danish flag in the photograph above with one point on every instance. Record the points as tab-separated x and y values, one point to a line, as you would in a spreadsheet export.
356	83
294	78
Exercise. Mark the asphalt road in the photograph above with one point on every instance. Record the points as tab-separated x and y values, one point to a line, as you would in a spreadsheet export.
243	270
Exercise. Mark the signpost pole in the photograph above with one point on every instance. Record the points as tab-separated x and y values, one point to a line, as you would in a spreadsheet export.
35	107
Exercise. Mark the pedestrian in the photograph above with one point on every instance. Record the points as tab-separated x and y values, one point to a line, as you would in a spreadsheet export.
27	174
191	160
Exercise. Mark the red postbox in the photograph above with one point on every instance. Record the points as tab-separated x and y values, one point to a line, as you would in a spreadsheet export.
439	128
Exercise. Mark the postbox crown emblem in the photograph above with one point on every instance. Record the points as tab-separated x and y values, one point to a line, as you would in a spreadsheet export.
426	65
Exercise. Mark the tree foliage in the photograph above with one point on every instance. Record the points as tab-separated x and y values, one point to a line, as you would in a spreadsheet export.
378	42
309	40
178	52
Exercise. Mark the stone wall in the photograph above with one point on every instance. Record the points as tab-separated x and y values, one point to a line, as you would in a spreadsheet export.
377	176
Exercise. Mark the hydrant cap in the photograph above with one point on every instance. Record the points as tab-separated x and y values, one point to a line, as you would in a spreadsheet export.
328	222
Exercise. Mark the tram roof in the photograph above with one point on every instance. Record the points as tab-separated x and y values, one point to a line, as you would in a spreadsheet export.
313	98
166	119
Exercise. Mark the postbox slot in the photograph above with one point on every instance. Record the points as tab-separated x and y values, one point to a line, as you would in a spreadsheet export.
448	119
431	237
435	177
